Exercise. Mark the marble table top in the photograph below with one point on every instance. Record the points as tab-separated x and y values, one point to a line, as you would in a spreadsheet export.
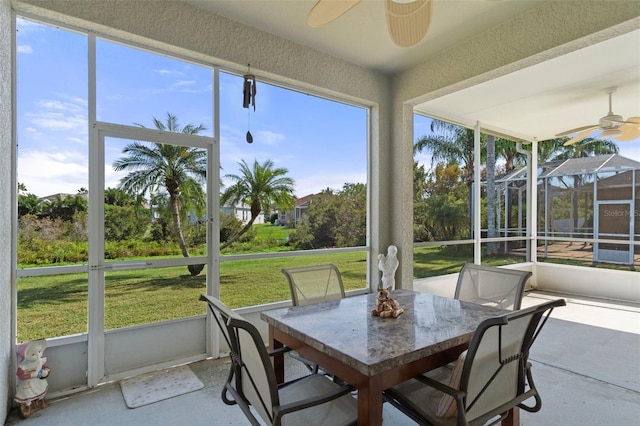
345	329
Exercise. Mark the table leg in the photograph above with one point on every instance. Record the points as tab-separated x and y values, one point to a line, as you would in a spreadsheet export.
276	360
513	418
370	404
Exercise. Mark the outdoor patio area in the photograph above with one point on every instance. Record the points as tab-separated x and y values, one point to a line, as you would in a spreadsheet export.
585	364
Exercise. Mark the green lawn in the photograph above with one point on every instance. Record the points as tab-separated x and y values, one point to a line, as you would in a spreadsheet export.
56	305
267	231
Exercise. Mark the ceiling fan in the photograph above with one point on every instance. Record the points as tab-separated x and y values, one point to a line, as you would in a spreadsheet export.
407	20
612	126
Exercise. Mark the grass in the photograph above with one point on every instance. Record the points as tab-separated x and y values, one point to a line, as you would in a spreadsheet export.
56	305
433	261
270	232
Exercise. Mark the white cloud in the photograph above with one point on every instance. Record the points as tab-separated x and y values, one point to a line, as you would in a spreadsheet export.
269	138
47	173
184	83
59	115
26	49
52	121
165	71
111	177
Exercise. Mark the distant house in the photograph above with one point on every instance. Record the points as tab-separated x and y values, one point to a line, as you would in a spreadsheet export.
301	205
62	196
242	212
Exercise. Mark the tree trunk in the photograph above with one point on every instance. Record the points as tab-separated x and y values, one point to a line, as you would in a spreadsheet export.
177	231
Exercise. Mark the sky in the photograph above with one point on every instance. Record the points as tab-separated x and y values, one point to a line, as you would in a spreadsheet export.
321	143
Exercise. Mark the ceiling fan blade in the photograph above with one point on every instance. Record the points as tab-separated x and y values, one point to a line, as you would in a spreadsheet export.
629	132
408	23
326	11
577	129
580	136
633	121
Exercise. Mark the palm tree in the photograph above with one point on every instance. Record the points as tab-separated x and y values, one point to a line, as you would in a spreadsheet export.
260	187
506	150
29	204
179	170
450	144
554	149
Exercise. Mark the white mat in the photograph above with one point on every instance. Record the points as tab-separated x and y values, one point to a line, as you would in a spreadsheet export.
158	385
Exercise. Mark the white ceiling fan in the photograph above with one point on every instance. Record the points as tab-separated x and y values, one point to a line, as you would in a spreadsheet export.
612	126
407	20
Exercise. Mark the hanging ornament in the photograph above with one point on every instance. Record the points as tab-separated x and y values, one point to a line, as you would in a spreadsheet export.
249	98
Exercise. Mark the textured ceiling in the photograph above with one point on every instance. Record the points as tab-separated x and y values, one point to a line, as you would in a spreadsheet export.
360	36
553	96
536	102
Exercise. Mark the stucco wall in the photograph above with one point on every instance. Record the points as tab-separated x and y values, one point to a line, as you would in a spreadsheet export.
5	211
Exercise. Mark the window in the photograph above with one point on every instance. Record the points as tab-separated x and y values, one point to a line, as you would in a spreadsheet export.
308	162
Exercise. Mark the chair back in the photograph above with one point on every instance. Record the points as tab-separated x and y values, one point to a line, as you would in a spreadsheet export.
494	376
255	380
313	284
488	285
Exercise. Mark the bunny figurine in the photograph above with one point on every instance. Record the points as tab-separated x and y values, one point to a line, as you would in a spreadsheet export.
385	305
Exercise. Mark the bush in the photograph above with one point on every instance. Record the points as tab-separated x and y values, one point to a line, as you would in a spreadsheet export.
196	234
229	225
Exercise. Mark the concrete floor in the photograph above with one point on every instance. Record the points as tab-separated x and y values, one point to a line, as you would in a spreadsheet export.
586	365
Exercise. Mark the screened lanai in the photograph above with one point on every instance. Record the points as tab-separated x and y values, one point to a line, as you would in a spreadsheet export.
461	71
585	205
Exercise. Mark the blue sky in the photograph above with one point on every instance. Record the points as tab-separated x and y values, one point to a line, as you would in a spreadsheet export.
322	143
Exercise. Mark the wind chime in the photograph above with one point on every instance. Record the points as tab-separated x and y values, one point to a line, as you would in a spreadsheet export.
249	98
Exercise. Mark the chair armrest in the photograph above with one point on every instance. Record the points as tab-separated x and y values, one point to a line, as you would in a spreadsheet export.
531	392
455	393
310	402
440	386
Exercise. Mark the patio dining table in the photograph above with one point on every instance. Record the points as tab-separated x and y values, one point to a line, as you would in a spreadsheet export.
373	353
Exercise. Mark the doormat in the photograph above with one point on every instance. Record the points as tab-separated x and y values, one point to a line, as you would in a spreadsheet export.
159	385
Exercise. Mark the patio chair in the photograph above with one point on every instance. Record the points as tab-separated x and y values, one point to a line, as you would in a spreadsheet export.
490	378
309	400
488	285
313	284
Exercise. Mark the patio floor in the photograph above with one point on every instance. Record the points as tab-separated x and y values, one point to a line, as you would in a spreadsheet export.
586	364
